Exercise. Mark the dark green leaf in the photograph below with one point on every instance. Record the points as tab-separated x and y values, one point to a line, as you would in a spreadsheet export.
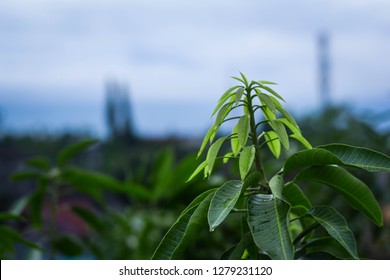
184	231
364	158
39	162
223	202
68	245
91	218
324	244
276	184
70	151
308	158
23	176
336	226
296	198
8	216
246	159
252	180
355	191
268	219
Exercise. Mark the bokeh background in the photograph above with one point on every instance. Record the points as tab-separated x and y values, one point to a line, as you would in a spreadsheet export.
142	77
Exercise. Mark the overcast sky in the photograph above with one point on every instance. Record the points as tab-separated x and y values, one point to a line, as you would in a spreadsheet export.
176	57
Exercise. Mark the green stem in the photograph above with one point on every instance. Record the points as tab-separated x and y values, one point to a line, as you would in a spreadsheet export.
263	179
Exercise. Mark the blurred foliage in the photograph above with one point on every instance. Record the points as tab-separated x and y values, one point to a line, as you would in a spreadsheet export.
116	198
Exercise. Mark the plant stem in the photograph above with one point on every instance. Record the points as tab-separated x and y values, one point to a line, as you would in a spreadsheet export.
263	179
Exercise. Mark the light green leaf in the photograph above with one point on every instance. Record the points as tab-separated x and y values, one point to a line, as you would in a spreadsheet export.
246	159
227	157
213	152
273	143
222	113
238	79
243	130
270	90
197	170
229	92
264	82
222	202
276	184
268	220
285	113
244	79
280	130
234	142
70	151
364	158
355	191
336	226
265	100
308	158
296	198
268	114
221	102
239	94
206	139
185	230
302	140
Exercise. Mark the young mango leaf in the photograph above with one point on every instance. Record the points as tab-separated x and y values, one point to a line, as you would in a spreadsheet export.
364	158
222	113
268	220
270	90
243	130
206	139
302	140
244	79
336	226
70	151
223	202
273	143
246	159
213	153
238	79
222	101
264	82
324	244
265	100
280	130
268	114
227	157
285	114
298	201
308	158
276	185
239	94
358	195
184	231
234	142
229	92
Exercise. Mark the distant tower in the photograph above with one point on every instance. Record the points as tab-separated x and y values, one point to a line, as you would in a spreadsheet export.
324	69
118	111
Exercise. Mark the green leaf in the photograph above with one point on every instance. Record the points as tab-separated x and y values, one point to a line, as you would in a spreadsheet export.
336	226
238	79
234	142
239	94
206	139
276	184
355	191
264	82
213	153
229	92
268	220
70	151
273	143
364	158
302	140
199	199
324	244
270	90
268	114
9	233
285	113
91	218
265	100
237	251
296	198
308	158
68	245
246	159
243	130
197	170
23	176
244	79
222	101
222	113
9	216
252	180
280	130
184	231
222	202
39	162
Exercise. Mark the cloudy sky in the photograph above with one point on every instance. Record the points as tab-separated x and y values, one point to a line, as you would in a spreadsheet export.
176	57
